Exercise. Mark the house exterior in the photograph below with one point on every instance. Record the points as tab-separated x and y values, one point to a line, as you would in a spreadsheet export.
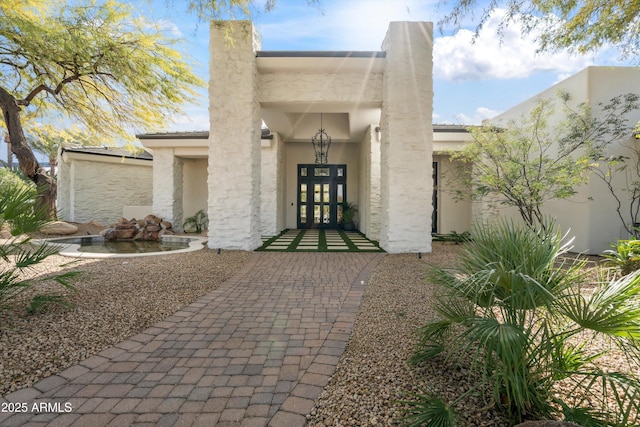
590	214
95	183
376	108
255	171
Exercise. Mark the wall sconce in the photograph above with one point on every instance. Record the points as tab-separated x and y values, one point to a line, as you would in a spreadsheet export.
378	133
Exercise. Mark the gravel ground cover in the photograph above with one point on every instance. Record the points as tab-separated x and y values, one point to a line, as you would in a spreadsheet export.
373	374
119	297
115	299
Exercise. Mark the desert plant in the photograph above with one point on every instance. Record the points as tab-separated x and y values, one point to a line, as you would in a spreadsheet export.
625	256
19	253
349	211
199	221
514	312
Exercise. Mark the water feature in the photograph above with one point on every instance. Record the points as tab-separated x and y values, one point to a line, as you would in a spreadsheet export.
98	247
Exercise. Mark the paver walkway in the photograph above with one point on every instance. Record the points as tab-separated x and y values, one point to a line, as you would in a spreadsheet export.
256	351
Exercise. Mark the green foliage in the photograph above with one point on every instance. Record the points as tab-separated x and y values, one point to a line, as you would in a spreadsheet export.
11	181
199	221
513	311
581	27
625	256
94	62
17	210
428	410
452	237
42	303
349	211
231	9
611	168
530	161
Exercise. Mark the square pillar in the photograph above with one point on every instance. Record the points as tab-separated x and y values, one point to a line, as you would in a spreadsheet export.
234	138
272	186
407	138
167	186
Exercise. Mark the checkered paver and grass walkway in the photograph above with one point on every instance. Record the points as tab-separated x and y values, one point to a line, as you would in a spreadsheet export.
319	241
257	351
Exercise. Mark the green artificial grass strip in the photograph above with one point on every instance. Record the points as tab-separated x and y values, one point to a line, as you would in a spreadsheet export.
352	246
322	243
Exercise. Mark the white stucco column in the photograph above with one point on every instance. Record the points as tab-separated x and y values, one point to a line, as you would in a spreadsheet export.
234	138
370	184
407	138
167	186
272	186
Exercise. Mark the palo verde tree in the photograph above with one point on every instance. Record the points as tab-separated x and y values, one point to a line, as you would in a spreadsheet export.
91	62
580	26
47	139
531	160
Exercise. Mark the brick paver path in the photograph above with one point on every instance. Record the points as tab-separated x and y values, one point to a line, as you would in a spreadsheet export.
256	351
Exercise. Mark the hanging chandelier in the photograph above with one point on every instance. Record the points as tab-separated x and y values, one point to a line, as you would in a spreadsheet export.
321	143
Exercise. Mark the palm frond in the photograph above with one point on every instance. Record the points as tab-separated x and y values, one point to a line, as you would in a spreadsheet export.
428	410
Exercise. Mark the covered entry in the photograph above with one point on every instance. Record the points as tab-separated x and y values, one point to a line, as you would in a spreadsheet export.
321	191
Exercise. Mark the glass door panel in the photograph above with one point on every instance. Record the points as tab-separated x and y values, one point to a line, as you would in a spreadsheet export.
322	208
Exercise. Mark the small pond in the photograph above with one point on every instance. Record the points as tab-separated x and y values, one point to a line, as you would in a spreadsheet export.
97	247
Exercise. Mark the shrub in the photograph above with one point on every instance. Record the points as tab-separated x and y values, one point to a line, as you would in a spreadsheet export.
199	221
513	311
19	253
625	256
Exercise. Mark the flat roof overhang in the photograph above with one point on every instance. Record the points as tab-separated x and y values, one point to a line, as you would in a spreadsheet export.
320	61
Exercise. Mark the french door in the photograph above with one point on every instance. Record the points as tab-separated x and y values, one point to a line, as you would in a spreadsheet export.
321	191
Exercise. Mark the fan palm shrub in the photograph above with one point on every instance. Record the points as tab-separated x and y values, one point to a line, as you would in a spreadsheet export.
513	310
19	253
197	222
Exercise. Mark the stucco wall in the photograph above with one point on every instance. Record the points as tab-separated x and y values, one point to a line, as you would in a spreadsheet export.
313	88
453	215
96	188
272	183
590	214
234	139
194	194
407	138
370	185
167	185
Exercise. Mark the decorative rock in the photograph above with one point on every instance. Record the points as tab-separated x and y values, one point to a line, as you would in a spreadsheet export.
149	228
126	233
59	227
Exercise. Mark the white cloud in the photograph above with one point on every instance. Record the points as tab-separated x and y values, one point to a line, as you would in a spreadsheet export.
498	55
481	113
196	120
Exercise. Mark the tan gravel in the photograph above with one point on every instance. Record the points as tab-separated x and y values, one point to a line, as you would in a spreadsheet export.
373	374
115	299
118	298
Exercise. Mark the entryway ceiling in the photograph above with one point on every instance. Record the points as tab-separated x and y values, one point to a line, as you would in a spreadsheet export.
343	123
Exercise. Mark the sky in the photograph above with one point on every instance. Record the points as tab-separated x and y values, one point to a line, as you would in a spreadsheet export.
473	80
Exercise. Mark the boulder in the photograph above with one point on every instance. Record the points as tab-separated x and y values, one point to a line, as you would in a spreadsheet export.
166	225
59	227
126	233
109	234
